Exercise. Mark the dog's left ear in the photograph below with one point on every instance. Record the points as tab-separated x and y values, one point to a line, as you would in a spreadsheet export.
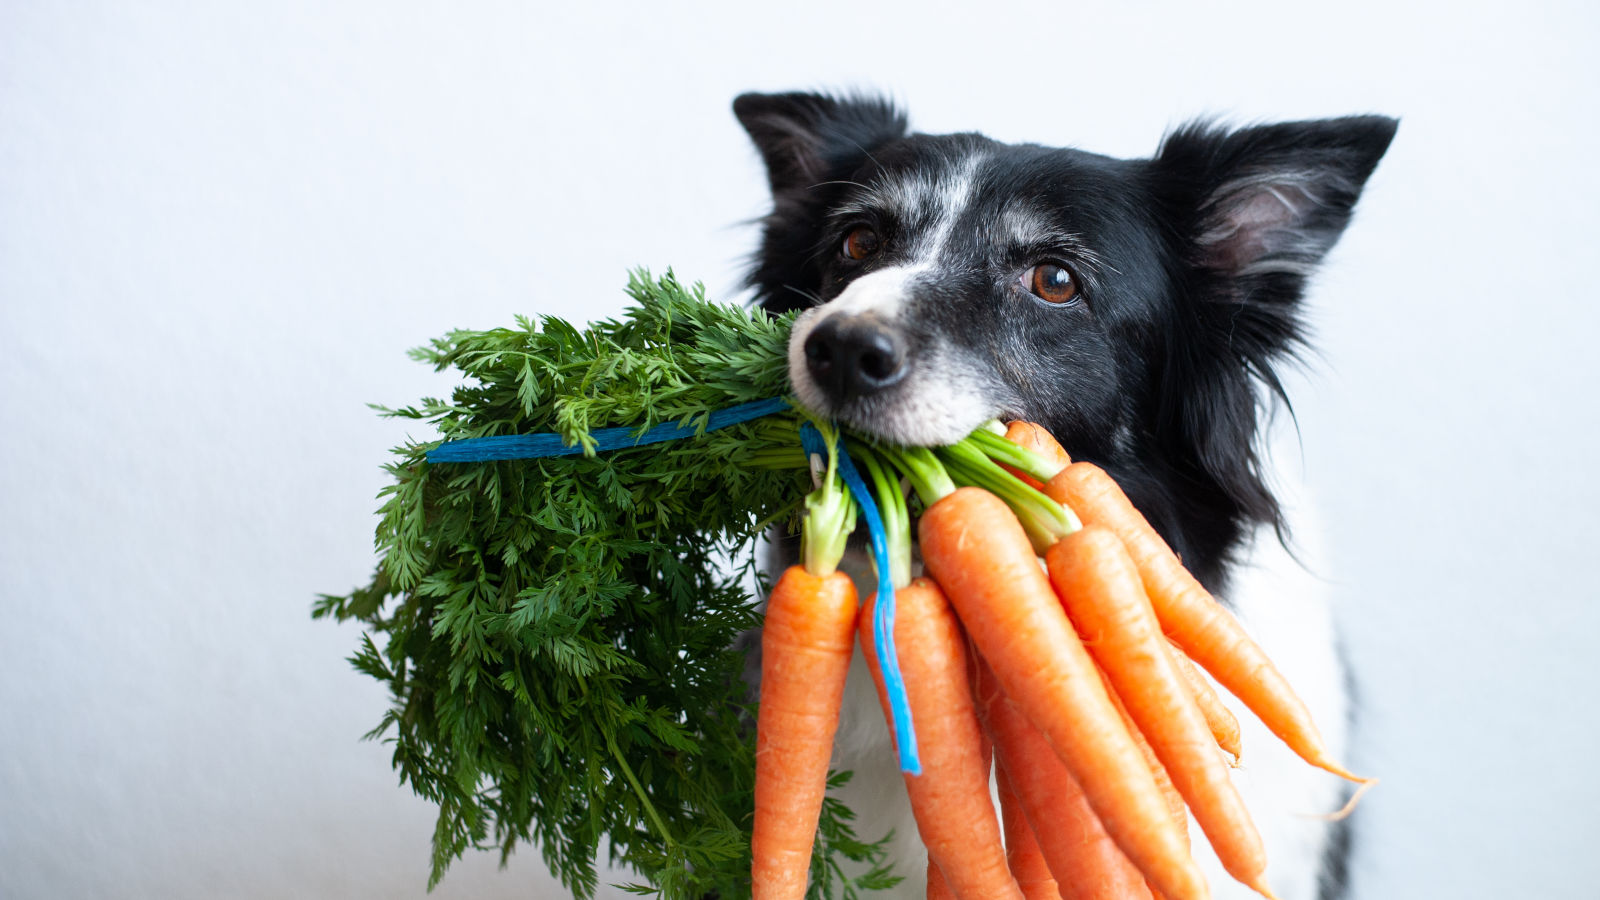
1256	211
809	138
1266	203
810	144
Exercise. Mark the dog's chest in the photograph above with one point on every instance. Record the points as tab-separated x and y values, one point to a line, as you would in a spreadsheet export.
1286	610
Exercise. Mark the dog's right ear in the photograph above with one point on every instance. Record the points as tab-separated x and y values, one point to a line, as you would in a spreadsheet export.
811	143
806	139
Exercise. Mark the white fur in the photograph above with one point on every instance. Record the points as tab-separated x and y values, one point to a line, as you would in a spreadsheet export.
881	294
1286	609
950	195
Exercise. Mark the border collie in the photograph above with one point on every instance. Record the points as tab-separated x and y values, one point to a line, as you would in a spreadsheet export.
1137	308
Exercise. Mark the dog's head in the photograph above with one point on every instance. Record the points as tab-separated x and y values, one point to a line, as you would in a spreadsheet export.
1131	306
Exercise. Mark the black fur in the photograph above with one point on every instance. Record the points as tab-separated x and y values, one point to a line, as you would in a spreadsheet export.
1191	266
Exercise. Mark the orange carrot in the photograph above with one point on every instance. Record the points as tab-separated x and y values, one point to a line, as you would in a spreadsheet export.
1224	727
1106	601
938	888
1085	862
986	753
979	553
1022	848
806	645
1169	792
1031	436
1192	618
950	799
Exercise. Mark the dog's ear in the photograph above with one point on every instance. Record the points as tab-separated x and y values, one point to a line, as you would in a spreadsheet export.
1269	201
806	139
810	143
1256	211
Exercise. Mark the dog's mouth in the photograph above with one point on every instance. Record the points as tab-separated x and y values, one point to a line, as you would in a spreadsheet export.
909	424
863	373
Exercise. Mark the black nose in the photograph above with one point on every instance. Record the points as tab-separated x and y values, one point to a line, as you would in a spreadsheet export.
852	356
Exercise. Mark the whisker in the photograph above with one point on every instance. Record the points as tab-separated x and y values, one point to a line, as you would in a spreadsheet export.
842	181
809	295
868	154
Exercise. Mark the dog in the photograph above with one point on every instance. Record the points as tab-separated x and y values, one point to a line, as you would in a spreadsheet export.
1140	309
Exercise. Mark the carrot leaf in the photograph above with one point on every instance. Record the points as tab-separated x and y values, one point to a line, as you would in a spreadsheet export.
559	637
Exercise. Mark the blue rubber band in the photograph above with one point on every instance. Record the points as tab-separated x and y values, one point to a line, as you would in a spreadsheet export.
533	446
894	685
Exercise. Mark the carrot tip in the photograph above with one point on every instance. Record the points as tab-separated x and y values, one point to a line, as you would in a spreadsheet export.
1342	772
1349	805
1259	885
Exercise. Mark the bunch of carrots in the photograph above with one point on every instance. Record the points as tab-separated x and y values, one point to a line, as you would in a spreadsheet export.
1075	682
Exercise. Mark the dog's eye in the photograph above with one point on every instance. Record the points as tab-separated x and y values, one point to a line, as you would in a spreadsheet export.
860	243
1050	282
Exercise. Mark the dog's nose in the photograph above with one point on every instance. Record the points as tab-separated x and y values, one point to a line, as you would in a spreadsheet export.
852	356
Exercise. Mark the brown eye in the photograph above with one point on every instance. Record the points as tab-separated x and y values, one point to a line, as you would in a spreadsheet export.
860	243
1050	282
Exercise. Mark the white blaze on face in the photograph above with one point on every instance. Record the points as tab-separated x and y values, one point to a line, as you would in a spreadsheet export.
882	293
950	195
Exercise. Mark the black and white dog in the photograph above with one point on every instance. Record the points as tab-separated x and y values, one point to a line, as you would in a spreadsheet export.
1137	308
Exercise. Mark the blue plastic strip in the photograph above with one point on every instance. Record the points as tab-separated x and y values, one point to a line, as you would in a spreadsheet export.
894	685
532	446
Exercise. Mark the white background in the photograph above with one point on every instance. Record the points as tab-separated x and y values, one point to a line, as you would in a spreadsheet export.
220	229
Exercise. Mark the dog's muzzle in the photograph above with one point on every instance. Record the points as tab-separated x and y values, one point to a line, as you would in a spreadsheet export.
850	356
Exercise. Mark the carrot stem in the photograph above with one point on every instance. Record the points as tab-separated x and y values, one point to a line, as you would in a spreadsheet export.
775	458
883	616
830	515
896	517
638	790
997	448
1045	520
926	474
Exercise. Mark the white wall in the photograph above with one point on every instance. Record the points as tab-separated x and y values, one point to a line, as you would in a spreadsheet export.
220	229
